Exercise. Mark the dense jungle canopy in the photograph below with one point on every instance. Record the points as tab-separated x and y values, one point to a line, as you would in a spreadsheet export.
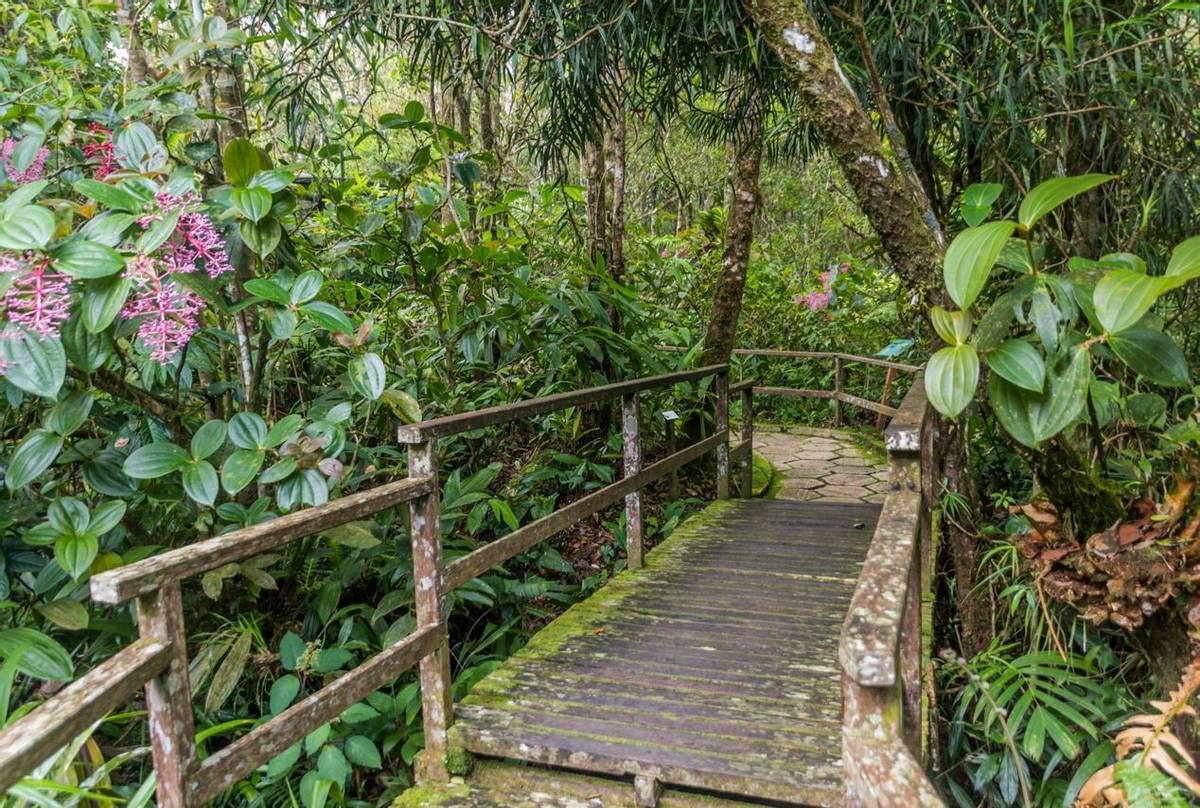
241	243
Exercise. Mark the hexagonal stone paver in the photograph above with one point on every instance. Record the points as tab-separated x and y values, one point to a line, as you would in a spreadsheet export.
824	464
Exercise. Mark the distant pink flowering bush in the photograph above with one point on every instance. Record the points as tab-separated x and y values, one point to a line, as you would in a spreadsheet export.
170	313
32	173
819	300
38	299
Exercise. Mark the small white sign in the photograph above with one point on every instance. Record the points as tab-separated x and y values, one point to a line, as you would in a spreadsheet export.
670	415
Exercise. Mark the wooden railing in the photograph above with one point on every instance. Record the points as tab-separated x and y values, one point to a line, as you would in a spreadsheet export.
883	650
157	661
838	394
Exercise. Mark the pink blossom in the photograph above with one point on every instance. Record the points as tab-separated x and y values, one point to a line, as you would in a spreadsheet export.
38	299
100	151
32	173
817	300
195	239
171	312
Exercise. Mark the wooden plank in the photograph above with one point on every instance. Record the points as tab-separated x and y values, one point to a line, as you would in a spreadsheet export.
903	433
171	725
26	743
867	404
503	413
883	363
793	392
142	577
839	376
739	451
227	766
631	417
480	561
721	418
429	589
737	388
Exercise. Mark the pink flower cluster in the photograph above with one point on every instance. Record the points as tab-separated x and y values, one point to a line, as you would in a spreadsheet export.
100	151
821	299
171	313
38	299
195	241
32	173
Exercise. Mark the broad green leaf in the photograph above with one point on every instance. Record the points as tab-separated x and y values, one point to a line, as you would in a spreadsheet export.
67	614
368	375
306	287
208	438
1053	192
241	161
970	258
22	196
1185	260
68	515
331	659
954	327
1065	397
281	323
273	180
27	228
1123	260
102	301
75	554
284	428
109	196
280	471
950	379
42	657
1152	354
157	234
291	648
1123	297
283	693
26	151
282	763
156	460
253	203
33	456
402	404
106	517
247	430
137	147
200	481
328	316
1018	362
240	468
85	350
353	534
37	366
268	290
70	413
362	752
261	237
81	258
977	201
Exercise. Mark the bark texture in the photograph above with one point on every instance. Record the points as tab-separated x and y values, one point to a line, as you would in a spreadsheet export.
741	204
846	130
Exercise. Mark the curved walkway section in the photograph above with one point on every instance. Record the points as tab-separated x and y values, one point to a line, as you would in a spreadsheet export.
822	464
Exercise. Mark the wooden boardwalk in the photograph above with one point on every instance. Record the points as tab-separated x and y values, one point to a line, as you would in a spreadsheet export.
714	667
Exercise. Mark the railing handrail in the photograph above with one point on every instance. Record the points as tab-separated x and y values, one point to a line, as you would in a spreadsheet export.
142	577
780	353
503	413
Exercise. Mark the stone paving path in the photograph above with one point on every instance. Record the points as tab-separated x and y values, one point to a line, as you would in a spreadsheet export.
821	464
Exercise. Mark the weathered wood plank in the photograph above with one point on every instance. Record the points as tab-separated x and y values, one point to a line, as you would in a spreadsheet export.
141	577
721	417
480	561
39	734
903	433
503	413
227	766
631	418
867	404
171	725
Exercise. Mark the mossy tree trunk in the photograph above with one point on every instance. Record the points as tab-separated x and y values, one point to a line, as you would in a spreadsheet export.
745	149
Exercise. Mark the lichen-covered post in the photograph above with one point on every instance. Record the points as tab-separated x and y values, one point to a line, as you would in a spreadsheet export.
748	439
169	697
721	416
838	375
631	418
673	487
431	610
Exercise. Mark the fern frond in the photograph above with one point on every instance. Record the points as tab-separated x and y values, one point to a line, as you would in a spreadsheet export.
1147	742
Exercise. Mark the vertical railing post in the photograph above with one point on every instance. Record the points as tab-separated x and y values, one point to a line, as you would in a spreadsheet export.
748	439
426	515
721	417
169	697
837	391
631	419
673	489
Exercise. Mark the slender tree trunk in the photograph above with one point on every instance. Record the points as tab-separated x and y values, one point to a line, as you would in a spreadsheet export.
742	196
846	130
594	200
138	67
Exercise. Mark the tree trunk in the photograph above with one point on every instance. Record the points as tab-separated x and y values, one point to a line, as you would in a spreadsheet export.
745	152
138	66
594	201
846	130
